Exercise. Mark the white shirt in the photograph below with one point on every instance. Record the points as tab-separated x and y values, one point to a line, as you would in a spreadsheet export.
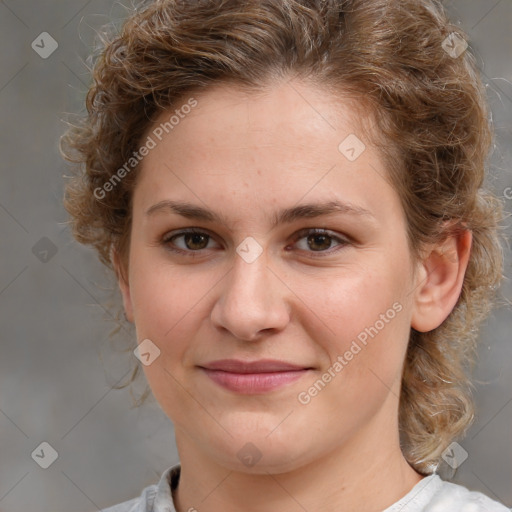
431	494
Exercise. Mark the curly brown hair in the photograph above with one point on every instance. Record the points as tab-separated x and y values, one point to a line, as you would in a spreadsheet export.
432	128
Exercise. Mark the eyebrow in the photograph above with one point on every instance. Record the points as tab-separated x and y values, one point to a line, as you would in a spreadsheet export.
288	215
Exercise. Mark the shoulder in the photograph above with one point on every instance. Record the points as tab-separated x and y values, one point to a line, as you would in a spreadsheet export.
432	494
153	498
452	497
143	503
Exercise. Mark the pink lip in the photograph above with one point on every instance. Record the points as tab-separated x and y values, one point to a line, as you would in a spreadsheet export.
253	377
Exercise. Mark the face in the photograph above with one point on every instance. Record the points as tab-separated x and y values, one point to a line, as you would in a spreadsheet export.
321	302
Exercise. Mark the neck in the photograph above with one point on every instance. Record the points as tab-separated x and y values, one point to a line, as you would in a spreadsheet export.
365	474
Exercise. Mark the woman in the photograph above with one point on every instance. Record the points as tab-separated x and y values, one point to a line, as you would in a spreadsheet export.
290	195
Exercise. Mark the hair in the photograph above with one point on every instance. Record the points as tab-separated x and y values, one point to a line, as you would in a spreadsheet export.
431	125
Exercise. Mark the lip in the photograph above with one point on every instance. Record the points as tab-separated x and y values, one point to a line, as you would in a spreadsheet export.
259	366
253	377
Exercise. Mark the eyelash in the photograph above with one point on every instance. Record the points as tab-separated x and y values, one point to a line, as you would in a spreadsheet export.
303	233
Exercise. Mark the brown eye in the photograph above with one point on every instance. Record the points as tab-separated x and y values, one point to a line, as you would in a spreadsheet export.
192	241
195	241
319	241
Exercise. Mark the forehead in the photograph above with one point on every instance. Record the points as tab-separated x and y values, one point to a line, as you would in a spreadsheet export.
288	108
276	145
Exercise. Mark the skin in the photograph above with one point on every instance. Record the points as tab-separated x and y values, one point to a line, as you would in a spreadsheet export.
245	157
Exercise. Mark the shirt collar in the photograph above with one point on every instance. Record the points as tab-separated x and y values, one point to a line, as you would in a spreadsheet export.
168	482
421	493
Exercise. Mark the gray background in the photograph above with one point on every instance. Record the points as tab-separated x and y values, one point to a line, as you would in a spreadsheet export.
57	365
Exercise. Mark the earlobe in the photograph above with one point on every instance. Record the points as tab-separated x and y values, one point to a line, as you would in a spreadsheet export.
123	283
439	283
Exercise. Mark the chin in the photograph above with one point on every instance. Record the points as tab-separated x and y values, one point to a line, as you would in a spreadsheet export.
260	453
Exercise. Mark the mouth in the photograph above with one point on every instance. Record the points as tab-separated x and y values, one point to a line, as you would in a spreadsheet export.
255	377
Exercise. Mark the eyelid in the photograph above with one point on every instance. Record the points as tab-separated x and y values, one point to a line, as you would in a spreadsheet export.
180	232
320	231
343	240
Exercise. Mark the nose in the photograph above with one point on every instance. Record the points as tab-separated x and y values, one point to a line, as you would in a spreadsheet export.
252	301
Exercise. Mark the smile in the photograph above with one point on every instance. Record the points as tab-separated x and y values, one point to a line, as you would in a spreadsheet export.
253	377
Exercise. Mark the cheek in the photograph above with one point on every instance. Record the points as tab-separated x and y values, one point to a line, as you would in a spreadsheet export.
171	308
350	302
364	319
164	295
167	306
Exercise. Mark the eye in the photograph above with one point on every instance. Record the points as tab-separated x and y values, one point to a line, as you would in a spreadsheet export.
194	241
318	241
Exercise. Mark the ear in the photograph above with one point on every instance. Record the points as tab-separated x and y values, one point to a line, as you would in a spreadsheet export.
439	281
123	283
